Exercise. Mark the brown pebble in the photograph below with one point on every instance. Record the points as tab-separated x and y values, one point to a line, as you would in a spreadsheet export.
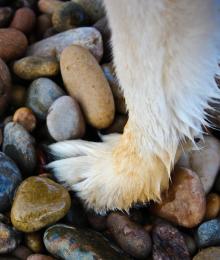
24	20
34	242
43	24
25	117
49	6
22	252
40	257
13	44
212	206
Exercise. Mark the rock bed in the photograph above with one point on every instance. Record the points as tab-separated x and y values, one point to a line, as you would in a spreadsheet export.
57	82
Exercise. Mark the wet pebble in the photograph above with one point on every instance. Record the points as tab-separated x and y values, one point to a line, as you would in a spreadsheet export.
84	80
65	120
211	253
212	206
208	233
9	238
68	16
87	37
30	212
168	243
69	243
25	117
34	67
5	16
24	20
11	49
34	242
132	238
184	203
41	94
10	178
18	144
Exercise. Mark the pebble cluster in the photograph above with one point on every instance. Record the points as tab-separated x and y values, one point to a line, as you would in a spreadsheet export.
57	82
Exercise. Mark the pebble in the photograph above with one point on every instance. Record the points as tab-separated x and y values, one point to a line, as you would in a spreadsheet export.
208	233
22	252
39	202
34	67
94	8
205	161
11	49
18	144
5	16
84	80
9	239
168	243
212	253
10	178
40	257
34	242
184	203
68	16
24	20
41	95
132	238
18	96
5	86
212	206
43	24
117	126
69	243
65	111
49	6
25	117
116	91
86	37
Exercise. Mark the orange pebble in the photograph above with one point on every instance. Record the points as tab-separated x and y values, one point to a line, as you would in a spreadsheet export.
25	117
212	206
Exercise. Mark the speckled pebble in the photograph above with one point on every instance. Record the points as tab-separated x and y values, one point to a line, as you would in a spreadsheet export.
41	94
18	144
10	178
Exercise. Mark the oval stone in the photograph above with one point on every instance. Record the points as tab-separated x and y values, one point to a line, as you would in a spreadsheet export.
41	95
18	144
65	120
84	80
39	202
33	67
10	178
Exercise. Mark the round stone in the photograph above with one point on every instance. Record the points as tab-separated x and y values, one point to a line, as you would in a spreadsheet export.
34	242
34	67
10	178
25	117
184	203
41	95
12	49
68	242
18	144
39	202
84	80
65	120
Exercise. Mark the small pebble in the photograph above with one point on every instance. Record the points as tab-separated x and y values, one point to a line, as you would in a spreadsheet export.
43	24
184	203
5	16
41	95
11	49
9	239
49	6
168	243
208	233
210	253
70	243
65	120
34	242
10	178
18	144
132	238
86	37
24	20
25	117
34	67
84	80
39	202
212	206
68	16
